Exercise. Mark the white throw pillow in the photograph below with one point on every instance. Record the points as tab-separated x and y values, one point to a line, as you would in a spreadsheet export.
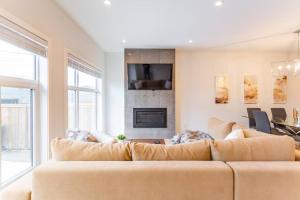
235	134
103	138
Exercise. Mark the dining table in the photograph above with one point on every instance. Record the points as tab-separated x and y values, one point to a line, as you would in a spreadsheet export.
287	123
290	123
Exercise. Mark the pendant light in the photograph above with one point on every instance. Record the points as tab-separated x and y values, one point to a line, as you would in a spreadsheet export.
297	64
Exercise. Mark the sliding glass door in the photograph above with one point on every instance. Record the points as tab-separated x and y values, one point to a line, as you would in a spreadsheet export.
16	131
23	101
19	103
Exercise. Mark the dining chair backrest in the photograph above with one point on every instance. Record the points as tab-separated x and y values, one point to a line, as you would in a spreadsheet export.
262	121
251	117
278	114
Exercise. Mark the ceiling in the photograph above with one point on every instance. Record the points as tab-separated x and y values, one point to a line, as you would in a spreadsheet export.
238	24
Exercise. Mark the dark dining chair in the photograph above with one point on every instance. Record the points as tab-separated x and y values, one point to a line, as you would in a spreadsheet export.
278	114
251	117
263	124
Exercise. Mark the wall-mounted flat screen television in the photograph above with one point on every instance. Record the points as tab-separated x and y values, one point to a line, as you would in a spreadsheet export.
150	76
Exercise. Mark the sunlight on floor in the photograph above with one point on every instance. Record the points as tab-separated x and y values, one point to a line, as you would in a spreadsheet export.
12	169
14	163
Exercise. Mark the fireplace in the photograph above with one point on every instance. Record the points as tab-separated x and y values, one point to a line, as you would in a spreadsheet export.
149	117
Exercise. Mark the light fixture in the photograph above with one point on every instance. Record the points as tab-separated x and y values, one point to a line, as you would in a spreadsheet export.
124	41
297	68
107	2
292	67
190	41
297	65
219	3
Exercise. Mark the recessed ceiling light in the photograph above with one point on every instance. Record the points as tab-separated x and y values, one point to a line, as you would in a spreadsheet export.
107	2
190	41
219	3
124	41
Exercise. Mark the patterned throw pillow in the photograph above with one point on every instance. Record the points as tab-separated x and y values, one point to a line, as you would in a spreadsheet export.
78	135
190	136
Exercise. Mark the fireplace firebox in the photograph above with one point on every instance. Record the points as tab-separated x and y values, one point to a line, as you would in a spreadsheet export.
150	118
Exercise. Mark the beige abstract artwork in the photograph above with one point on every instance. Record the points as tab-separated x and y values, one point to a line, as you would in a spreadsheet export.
250	89
280	90
222	90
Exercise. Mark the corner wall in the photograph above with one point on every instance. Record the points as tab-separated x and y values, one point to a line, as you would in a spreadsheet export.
114	93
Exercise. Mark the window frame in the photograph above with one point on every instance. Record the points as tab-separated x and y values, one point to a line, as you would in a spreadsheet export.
97	92
35	132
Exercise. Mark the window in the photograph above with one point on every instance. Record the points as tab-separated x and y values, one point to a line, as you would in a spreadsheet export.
84	96
22	60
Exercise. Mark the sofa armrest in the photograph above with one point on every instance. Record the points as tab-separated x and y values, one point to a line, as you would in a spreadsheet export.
297	155
18	190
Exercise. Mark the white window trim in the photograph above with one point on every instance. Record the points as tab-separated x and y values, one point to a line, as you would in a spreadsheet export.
67	53
77	90
18	82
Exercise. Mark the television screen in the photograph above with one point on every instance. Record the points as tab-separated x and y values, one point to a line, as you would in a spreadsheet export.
150	76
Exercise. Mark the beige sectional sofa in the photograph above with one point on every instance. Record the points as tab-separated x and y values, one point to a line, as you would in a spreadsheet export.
170	173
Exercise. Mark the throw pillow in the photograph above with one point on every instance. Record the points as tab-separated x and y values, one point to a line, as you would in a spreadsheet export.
191	151
190	136
79	135
236	134
69	150
103	138
219	129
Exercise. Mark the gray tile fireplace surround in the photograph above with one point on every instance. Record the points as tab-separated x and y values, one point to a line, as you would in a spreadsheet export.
149	98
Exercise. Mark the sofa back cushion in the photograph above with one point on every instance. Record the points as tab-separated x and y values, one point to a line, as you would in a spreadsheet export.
68	150
273	148
190	151
219	129
237	126
252	133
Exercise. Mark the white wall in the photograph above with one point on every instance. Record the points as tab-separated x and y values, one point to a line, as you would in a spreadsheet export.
115	97
46	18
195	72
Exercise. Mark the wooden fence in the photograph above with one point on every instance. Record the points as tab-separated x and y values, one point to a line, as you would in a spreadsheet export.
15	126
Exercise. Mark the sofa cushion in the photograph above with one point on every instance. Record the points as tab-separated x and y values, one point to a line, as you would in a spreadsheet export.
68	150
274	148
18	190
252	133
297	155
266	180
190	151
143	180
238	126
219	129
